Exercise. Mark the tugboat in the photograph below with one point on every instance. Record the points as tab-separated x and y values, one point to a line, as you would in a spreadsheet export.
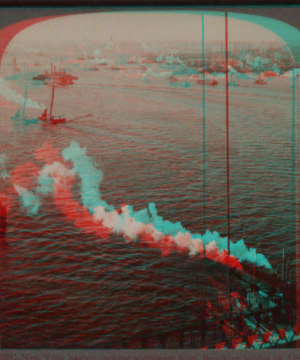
213	82
93	68
207	81
260	81
41	77
46	118
21	117
113	67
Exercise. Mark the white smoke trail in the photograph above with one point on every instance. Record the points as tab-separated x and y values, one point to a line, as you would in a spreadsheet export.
90	177
24	48
3	169
146	221
97	216
14	97
30	201
97	52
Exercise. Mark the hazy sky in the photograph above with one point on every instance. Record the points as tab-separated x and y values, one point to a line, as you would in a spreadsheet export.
143	27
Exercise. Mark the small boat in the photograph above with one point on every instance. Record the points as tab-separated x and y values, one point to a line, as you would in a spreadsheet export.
213	82
21	117
41	77
207	81
46	118
131	60
116	68
260	81
173	78
93	68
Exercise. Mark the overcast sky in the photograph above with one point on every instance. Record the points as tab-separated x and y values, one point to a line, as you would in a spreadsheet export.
142	27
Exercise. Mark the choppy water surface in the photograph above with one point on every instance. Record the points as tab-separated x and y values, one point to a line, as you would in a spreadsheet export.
66	288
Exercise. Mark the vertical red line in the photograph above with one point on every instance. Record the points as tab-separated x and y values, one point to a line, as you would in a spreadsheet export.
296	210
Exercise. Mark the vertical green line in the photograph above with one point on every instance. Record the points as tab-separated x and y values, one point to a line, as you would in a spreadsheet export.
203	102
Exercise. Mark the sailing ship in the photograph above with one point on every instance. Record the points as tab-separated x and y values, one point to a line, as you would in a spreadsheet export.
22	117
46	118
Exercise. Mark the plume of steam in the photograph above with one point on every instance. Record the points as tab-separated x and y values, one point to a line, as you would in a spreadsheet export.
90	177
232	69
170	59
30	201
23	180
3	168
146	222
26	49
97	52
110	46
96	216
14	97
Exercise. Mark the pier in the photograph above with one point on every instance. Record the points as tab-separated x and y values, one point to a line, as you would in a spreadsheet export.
258	319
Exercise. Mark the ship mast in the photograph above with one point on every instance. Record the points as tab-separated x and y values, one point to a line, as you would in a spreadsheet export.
52	99
25	98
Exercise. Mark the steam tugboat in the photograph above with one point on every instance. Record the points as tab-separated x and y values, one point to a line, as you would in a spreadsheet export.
260	81
46	118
